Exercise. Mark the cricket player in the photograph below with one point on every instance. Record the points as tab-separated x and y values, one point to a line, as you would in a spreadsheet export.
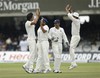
57	34
75	31
30	28
43	48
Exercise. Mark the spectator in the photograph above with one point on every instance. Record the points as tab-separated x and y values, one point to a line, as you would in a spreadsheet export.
15	44
9	44
23	44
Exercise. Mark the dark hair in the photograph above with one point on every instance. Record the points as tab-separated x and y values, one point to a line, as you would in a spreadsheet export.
29	16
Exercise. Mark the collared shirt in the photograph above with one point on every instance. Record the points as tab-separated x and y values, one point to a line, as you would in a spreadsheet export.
58	33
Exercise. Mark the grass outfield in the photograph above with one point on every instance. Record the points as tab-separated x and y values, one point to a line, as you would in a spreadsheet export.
84	70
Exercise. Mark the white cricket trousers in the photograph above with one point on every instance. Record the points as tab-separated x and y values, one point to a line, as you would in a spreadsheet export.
57	50
43	58
73	44
33	53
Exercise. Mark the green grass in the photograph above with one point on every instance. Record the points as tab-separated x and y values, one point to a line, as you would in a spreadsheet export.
84	70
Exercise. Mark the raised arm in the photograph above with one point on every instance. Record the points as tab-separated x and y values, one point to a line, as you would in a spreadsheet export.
37	16
69	12
44	29
68	9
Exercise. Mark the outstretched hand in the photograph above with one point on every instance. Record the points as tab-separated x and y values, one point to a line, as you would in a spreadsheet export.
68	8
38	12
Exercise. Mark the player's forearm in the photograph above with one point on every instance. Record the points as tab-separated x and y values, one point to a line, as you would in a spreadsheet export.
37	16
66	39
43	30
68	9
38	12
71	17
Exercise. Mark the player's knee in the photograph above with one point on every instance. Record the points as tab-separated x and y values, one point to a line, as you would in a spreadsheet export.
39	57
72	47
58	56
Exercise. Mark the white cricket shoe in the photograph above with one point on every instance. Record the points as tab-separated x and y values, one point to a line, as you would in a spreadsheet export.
37	71
27	69
47	70
73	66
57	71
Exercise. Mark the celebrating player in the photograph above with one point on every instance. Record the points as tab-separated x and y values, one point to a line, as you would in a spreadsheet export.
75	31
43	48
57	34
30	28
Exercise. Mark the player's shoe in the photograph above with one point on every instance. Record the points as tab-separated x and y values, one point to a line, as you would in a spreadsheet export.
57	71
27	69
37	71
47	70
72	66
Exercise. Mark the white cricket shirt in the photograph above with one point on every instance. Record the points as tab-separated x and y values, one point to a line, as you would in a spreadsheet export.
54	32
30	29
43	36
75	30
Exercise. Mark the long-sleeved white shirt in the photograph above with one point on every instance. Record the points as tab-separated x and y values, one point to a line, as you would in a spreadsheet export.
30	29
58	33
75	30
43	36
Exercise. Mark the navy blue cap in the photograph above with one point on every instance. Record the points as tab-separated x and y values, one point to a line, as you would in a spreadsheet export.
56	21
45	20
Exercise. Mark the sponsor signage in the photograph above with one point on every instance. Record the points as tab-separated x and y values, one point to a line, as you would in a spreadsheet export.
16	5
83	57
24	56
48	7
14	56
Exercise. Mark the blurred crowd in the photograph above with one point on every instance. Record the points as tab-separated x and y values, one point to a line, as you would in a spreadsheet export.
20	44
13	28
13	44
88	46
